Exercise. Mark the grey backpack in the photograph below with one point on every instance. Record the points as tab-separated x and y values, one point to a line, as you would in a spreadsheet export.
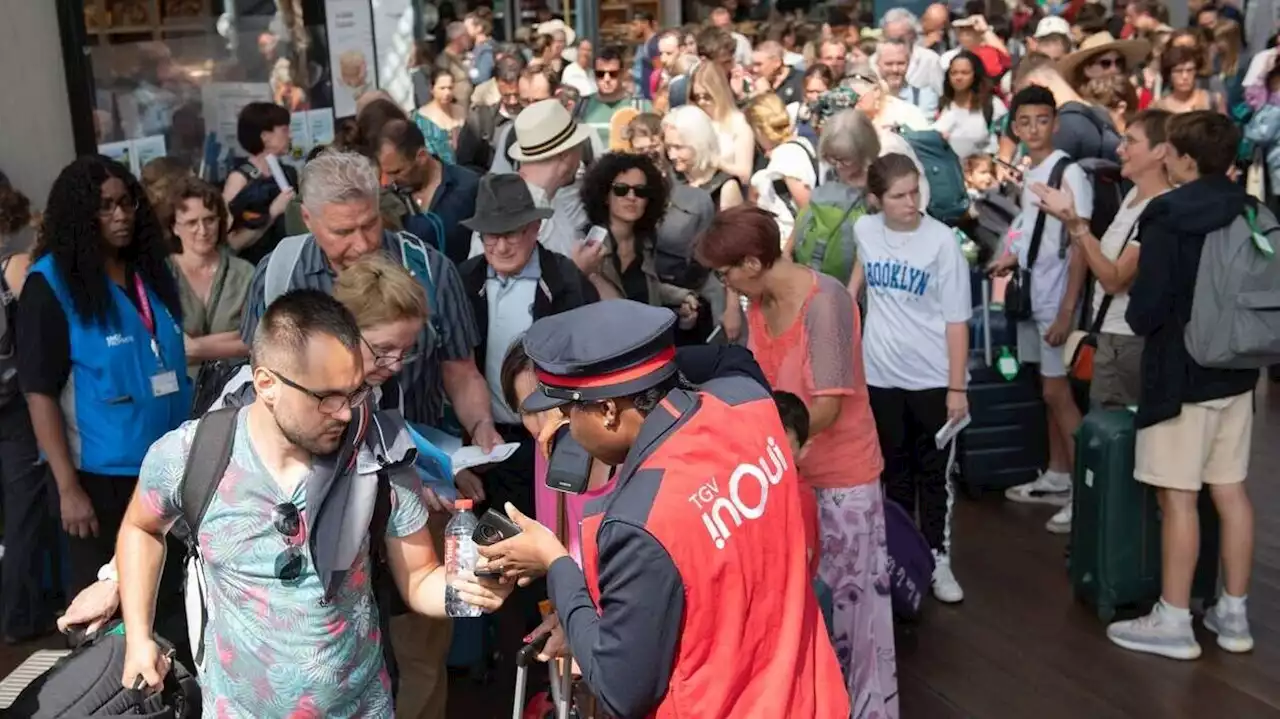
1235	311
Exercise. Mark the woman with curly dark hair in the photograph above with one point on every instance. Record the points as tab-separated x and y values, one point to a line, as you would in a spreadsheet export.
627	196
101	360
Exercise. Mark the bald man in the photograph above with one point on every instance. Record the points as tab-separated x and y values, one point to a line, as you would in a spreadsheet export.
935	28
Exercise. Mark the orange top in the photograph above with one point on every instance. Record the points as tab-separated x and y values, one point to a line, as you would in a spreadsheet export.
820	355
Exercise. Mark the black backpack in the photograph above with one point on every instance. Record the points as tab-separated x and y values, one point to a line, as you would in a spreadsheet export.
207	462
86	683
8	347
210	382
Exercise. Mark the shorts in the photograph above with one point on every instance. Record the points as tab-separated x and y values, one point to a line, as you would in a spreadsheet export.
1117	371
1207	443
1032	347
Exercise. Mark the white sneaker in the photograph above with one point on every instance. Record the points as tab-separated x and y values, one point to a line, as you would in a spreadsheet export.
1157	633
1232	629
1049	488
945	587
1060	523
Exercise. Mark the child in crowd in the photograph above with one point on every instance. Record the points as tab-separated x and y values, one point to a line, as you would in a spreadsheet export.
979	174
1056	278
795	420
1194	423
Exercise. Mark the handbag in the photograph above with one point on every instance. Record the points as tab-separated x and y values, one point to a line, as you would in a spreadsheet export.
1082	346
1017	294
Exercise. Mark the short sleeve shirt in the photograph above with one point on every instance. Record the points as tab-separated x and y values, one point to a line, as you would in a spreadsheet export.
820	355
273	648
1049	273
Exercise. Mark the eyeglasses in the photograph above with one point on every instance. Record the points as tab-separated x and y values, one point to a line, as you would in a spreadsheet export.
701	97
511	238
602	74
1106	63
127	204
1027	123
383	360
621	189
328	403
287	521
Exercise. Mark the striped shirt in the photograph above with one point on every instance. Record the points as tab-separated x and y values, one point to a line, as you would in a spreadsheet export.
423	380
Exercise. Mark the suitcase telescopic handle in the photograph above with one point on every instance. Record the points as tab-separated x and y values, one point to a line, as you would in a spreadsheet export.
986	320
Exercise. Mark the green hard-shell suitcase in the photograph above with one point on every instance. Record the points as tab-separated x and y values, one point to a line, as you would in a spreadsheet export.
1115	527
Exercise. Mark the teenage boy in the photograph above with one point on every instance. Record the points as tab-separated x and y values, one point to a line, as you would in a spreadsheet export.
1056	280
1194	423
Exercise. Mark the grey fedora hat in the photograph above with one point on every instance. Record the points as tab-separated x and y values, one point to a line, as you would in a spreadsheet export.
504	205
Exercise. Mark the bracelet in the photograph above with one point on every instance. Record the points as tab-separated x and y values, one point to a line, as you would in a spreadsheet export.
960	390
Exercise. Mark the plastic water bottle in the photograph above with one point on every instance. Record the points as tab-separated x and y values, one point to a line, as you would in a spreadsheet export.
460	555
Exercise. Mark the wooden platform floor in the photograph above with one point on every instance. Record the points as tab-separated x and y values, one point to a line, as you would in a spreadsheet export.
1019	647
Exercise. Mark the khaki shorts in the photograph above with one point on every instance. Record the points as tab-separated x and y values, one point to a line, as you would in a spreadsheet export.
1208	443
1117	371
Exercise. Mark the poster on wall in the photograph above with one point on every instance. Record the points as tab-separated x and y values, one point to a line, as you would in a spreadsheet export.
134	154
223	102
393	36
352	56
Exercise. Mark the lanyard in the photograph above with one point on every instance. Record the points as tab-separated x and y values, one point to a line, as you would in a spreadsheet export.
144	305
147	317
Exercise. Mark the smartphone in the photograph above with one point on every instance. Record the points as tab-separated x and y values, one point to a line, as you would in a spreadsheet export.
488	573
595	235
569	468
1017	171
494	528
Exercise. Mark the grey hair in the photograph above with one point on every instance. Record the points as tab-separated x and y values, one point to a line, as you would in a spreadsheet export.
898	14
696	131
338	176
455	30
848	135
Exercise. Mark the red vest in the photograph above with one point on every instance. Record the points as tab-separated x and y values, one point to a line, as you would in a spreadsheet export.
753	642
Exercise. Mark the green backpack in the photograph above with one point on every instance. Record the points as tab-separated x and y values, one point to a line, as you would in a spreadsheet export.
822	244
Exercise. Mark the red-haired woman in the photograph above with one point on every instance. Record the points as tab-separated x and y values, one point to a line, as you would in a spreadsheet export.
805	335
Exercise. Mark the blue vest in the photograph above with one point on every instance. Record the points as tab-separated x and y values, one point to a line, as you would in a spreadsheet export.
111	414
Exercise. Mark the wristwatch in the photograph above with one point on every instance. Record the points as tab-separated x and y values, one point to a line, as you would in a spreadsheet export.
108	572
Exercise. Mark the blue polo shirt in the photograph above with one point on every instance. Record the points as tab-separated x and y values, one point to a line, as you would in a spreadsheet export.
453	202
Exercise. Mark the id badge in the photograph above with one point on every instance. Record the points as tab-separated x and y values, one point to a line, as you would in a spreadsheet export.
164	383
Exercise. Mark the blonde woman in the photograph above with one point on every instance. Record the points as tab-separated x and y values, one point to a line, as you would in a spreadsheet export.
711	93
784	185
694	148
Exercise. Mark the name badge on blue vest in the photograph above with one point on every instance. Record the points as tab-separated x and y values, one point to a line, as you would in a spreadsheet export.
162	383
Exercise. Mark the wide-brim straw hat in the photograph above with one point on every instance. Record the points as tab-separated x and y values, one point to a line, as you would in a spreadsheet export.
1133	51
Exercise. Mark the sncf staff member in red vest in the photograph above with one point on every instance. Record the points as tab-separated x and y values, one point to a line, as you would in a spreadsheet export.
694	599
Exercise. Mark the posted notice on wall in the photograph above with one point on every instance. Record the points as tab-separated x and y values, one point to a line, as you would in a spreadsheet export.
134	154
308	130
223	102
352	57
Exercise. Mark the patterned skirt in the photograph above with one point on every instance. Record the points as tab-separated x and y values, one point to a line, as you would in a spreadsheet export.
854	564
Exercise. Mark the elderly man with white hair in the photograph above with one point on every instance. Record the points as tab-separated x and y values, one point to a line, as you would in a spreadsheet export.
892	62
924	67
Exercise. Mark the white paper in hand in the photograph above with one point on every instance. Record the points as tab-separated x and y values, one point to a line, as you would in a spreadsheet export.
277	173
472	456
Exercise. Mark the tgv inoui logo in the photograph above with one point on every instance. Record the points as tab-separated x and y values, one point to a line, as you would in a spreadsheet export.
720	514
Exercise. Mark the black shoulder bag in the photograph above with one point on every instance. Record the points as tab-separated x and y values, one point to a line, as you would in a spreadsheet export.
1017	295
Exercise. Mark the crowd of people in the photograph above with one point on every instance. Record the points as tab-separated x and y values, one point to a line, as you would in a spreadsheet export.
688	250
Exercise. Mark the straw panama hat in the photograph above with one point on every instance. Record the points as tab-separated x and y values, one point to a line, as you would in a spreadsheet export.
545	129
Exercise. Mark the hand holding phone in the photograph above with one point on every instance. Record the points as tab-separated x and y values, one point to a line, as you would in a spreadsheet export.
595	235
493	528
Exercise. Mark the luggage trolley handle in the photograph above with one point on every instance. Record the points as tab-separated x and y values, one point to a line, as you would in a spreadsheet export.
986	320
527	655
561	674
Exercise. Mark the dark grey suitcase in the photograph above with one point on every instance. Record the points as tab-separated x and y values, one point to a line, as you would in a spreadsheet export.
1007	440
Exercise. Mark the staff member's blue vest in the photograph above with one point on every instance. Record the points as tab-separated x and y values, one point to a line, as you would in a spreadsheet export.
112	415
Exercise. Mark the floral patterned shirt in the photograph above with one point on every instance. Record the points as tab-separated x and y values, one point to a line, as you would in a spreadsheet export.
274	648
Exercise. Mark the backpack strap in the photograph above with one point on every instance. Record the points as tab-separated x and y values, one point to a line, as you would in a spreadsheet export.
206	463
1105	304
280	266
415	259
1037	234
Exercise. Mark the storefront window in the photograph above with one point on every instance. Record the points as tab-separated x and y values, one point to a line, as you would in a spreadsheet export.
171	76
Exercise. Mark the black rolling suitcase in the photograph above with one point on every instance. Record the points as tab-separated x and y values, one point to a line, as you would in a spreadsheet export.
1007	440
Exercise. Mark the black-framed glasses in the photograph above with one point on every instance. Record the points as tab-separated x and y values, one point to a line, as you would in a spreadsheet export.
622	189
329	403
126	203
1106	63
287	521
383	360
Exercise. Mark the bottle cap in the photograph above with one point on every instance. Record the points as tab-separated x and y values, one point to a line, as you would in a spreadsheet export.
462	504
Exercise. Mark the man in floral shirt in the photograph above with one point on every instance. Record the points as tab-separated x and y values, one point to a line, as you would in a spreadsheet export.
282	640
